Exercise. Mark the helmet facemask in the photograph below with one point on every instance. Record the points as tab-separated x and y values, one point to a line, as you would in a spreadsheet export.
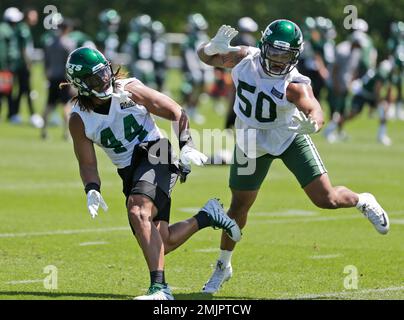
100	83
278	60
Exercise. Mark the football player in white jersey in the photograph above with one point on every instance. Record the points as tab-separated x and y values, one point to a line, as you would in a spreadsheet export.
276	103
115	114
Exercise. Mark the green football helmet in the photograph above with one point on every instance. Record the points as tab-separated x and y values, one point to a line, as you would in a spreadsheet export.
399	56
90	72
109	17
197	22
158	28
397	29
140	24
281	45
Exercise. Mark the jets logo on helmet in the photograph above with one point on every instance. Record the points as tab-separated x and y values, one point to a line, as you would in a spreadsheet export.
281	44
73	67
90	72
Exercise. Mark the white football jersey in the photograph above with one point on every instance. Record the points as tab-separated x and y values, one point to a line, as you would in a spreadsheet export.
261	105
118	132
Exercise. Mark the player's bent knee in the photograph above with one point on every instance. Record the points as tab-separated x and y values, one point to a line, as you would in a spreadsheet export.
139	212
139	218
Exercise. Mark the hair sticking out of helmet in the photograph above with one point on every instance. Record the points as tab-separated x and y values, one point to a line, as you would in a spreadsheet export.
281	44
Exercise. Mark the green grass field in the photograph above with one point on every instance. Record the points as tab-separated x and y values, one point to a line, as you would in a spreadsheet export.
290	249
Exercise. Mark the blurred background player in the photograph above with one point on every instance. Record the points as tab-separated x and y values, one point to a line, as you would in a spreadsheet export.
107	39
194	70
369	91
57	48
8	56
80	38
23	72
368	60
246	27
395	45
139	46
318	52
344	71
159	55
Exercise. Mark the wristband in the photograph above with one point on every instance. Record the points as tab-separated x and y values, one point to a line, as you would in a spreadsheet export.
208	49
92	186
188	141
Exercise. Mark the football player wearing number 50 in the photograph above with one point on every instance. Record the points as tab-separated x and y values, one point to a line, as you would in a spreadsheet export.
115	113
276	102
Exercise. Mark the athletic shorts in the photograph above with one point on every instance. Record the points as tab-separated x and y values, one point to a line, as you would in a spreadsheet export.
55	94
301	158
23	76
358	102
156	181
337	102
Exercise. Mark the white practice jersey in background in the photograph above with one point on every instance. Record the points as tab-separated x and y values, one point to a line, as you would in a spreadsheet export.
261	105
118	132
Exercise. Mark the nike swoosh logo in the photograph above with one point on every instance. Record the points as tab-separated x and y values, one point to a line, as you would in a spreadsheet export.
385	221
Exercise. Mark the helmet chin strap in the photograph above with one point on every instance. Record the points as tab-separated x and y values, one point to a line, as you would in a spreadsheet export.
273	75
104	95
268	73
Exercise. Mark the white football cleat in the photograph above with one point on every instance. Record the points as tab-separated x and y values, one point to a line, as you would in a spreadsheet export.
219	276
157	292
219	219
375	213
385	140
37	121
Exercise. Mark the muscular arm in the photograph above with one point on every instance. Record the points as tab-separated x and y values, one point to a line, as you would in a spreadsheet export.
84	150
228	60
302	96
163	106
155	102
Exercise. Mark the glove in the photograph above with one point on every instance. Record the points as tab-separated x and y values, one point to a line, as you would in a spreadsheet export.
220	43
304	125
94	200
188	155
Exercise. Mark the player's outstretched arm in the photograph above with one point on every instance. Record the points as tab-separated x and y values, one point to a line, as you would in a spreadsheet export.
219	53
85	154
154	101
165	107
311	118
